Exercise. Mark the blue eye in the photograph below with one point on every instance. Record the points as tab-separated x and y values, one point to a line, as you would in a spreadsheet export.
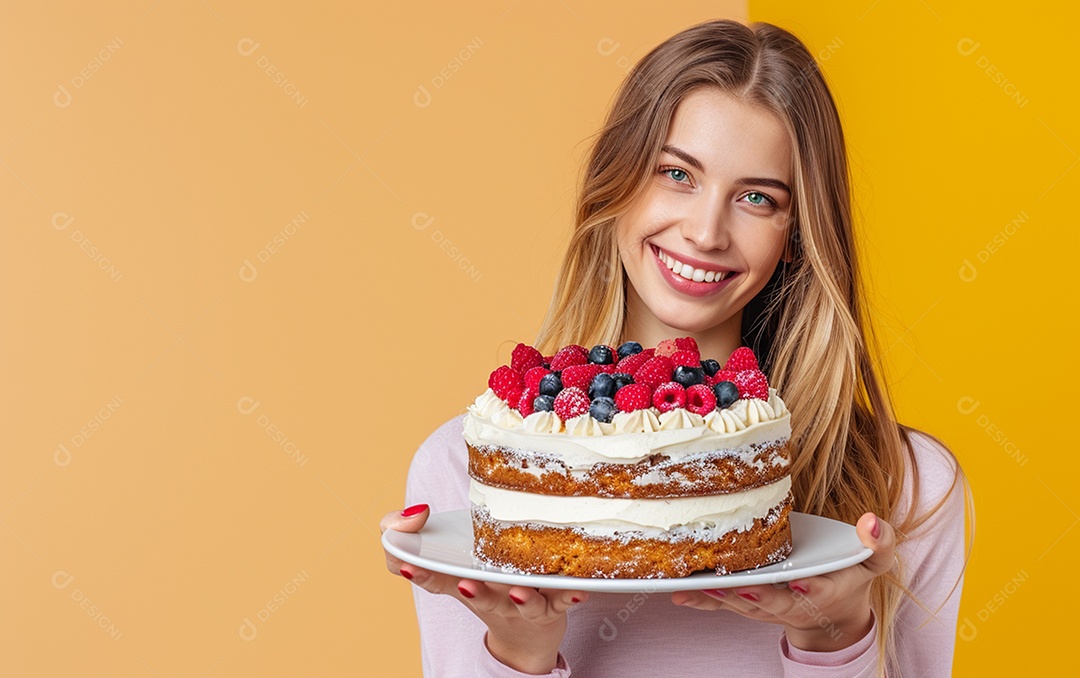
759	199
677	175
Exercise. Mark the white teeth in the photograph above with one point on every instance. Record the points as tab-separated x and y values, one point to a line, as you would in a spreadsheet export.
689	272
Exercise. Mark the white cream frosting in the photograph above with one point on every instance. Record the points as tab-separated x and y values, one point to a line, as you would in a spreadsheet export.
605	516
584	441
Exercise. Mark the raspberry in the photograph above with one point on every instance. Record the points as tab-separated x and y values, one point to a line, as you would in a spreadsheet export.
700	399
631	363
524	358
667	347
741	359
687	344
533	377
525	402
569	355
688	358
654	372
633	397
505	381
571	402
668	396
610	369
579	375
752	384
724	375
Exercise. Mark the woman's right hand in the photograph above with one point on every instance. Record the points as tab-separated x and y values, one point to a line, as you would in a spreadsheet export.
525	625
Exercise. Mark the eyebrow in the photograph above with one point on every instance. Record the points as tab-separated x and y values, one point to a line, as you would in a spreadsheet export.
697	164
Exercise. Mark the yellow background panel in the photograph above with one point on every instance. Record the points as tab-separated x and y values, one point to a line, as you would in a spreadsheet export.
961	123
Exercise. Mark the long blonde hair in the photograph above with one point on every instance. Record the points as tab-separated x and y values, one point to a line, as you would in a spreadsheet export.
820	352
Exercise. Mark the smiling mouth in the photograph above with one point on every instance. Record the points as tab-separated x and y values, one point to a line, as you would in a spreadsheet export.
687	271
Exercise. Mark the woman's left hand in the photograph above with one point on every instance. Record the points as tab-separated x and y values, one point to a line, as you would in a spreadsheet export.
824	613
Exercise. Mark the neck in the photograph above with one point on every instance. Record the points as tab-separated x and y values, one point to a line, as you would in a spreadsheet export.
642	326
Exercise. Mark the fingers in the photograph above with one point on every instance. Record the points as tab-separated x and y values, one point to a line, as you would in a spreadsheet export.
407	520
532	604
878	535
411	519
700	600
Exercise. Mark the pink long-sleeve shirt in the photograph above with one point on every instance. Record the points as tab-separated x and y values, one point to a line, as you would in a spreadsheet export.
618	635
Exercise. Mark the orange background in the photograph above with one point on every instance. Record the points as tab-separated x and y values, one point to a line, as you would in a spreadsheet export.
253	255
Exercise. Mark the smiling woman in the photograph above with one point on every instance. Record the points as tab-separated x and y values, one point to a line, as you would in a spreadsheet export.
719	185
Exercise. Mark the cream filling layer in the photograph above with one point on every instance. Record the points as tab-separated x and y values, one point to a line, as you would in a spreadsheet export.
602	515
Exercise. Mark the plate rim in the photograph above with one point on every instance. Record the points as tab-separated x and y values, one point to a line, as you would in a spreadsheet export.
769	574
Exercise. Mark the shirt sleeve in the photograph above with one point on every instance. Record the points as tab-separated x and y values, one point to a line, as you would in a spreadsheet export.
932	563
452	638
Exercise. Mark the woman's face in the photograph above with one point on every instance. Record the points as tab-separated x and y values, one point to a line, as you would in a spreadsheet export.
711	225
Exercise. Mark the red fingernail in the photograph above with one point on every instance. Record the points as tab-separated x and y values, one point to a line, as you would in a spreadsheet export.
406	574
414	510
875	531
799	587
517	600
575	599
752	597
465	592
719	593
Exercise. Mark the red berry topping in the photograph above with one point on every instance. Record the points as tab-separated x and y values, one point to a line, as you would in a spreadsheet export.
533	377
752	384
631	363
667	347
525	402
569	355
579	375
687	344
610	369
688	358
525	357
655	371
633	397
668	396
571	402
741	359
724	375
700	399
505	381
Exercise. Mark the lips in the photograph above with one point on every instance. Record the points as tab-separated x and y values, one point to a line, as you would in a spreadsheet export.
691	276
687	270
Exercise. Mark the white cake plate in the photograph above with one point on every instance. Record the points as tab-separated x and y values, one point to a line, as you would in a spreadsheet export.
819	545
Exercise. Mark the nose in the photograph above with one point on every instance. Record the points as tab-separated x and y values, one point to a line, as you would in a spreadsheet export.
707	224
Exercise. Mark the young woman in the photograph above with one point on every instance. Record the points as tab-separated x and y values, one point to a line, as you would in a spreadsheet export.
724	154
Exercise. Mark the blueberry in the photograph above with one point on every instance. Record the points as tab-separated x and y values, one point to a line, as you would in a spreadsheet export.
602	386
629	348
622	379
689	376
710	366
551	384
601	355
544	403
726	393
602	409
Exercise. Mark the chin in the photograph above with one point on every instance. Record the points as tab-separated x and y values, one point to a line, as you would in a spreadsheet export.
691	317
